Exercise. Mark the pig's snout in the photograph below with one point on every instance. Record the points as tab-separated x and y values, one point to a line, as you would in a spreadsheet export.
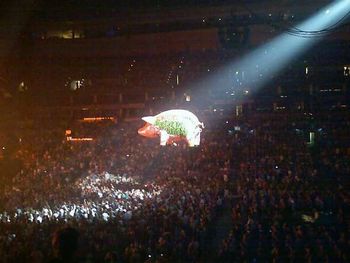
148	130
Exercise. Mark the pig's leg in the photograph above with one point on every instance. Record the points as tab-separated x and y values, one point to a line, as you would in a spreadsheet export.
191	140
194	138
164	136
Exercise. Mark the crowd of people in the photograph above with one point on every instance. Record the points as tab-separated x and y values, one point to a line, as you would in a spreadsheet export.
132	200
120	191
292	200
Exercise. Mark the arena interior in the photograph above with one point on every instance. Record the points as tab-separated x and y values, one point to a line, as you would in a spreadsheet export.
268	82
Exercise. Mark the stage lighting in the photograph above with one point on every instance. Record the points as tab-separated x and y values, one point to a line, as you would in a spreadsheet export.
265	62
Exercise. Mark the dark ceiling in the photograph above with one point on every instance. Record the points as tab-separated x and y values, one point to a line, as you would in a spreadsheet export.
90	9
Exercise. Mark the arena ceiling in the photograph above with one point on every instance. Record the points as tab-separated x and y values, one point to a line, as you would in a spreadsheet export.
70	9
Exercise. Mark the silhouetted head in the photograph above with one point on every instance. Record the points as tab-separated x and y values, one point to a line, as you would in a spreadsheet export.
65	242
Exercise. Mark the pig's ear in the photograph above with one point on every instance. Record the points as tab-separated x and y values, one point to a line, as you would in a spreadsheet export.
149	119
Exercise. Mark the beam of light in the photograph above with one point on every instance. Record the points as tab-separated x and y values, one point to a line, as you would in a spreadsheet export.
257	68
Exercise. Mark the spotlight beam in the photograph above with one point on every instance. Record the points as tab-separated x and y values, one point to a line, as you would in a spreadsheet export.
257	68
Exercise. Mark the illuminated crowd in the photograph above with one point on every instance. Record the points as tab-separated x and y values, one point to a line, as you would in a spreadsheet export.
132	200
122	182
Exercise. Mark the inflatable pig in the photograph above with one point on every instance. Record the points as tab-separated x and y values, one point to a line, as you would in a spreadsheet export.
173	126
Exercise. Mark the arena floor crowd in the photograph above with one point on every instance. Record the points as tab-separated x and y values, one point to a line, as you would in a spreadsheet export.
131	200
